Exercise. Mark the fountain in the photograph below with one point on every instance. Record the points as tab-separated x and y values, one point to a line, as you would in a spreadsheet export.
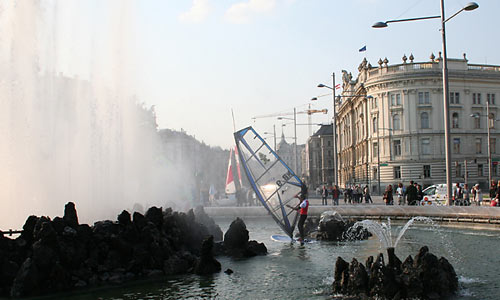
425	277
70	128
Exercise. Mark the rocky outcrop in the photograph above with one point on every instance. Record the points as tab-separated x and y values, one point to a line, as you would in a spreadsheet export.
61	254
332	227
237	244
207	264
203	218
425	277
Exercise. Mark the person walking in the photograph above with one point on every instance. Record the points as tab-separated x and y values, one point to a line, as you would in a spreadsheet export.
366	193
478	195
411	194
400	194
466	200
388	197
457	195
335	195
324	195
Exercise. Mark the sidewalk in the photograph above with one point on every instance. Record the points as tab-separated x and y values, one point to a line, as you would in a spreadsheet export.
316	201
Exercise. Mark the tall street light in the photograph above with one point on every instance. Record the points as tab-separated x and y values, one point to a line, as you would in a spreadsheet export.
468	7
334	128
489	119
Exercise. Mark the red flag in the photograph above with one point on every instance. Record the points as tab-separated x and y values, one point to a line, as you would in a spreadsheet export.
337	86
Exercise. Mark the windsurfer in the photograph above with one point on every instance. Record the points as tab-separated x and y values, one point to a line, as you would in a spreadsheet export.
302	207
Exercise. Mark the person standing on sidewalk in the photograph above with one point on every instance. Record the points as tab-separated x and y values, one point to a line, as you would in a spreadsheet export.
388	197
400	194
324	195
411	194
366	193
335	195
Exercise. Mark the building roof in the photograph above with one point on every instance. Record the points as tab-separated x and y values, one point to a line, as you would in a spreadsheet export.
324	130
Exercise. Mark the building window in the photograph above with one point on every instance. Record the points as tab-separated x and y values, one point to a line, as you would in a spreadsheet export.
478	145
375	149
458	170
490	98
395	99
456	145
493	146
397	172
397	147
375	173
426	146
480	170
454	120
374	103
477	122
396	122
491	120
476	98
494	169
454	98
329	152
329	143
424	120
374	124
427	171
424	98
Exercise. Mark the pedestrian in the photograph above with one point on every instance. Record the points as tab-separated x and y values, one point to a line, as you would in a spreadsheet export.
466	195
335	195
400	193
368	197
388	197
324	195
411	194
478	195
457	194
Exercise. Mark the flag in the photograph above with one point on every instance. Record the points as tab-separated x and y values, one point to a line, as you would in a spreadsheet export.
337	86
362	49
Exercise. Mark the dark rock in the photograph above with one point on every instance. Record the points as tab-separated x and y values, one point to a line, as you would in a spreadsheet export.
155	215
124	218
229	271
207	264
203	218
332	227
426	277
236	237
70	216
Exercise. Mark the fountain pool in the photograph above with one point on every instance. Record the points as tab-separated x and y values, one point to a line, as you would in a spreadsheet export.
289	271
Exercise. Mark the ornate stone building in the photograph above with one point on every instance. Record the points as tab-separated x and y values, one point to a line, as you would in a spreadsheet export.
287	154
390	123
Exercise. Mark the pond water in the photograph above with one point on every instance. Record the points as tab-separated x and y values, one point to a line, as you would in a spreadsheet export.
293	272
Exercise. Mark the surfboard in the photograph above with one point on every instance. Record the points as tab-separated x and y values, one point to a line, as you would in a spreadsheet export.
287	239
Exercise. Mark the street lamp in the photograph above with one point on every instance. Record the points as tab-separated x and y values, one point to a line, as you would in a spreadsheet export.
468	7
334	128
489	117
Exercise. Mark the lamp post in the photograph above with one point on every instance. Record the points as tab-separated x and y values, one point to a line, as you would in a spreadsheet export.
468	7
334	128
378	152
273	134
489	119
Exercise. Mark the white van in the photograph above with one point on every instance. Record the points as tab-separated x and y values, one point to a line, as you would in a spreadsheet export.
436	194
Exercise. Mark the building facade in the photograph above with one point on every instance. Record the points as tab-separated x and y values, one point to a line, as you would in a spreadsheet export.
319	157
286	152
390	123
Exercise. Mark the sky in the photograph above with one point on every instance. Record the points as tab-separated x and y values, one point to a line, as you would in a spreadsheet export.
200	61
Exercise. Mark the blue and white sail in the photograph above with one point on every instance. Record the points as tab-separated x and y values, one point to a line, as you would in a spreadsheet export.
274	183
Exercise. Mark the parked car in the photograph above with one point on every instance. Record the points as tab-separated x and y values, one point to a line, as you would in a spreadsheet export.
437	194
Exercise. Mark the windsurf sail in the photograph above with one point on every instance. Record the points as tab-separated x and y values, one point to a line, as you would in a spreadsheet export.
230	186
274	183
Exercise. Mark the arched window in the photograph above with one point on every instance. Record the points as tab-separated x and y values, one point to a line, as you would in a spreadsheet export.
454	120
374	125
492	119
424	120
396	122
